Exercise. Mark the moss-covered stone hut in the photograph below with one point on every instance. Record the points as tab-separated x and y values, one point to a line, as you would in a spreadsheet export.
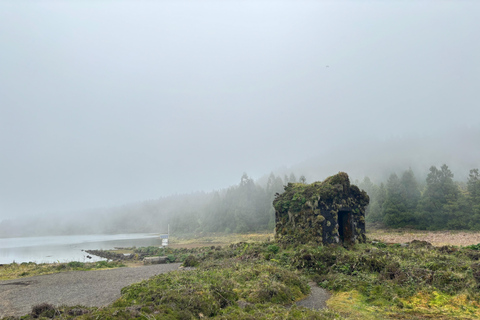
332	211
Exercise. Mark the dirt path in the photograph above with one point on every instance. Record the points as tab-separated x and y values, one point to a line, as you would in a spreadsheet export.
317	299
88	288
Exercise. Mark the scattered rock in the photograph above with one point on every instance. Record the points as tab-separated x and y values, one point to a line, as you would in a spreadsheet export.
78	311
155	260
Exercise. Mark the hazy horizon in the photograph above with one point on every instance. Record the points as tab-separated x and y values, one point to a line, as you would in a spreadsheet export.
109	103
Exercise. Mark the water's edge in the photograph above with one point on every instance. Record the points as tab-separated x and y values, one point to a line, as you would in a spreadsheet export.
53	249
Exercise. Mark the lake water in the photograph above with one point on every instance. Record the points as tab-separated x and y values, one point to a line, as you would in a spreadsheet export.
68	248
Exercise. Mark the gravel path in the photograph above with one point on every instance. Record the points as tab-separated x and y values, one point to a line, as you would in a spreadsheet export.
317	299
88	288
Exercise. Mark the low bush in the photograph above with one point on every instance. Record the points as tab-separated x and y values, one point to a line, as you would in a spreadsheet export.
190	261
43	310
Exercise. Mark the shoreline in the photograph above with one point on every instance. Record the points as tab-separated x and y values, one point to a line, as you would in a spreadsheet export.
190	241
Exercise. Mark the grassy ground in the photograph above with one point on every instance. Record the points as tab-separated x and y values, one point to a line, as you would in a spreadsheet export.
19	270
259	279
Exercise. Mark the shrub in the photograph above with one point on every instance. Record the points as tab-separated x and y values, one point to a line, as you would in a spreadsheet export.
273	248
190	261
43	310
75	264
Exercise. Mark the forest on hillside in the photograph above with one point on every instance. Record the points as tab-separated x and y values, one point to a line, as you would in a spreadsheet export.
402	201
438	203
246	207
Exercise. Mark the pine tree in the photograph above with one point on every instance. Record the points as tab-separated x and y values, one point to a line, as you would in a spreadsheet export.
292	178
473	199
395	210
439	200
376	212
473	185
410	191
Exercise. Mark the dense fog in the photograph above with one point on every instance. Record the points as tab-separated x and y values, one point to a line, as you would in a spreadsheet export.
126	116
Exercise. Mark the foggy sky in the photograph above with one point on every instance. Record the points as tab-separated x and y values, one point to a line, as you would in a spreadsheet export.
108	102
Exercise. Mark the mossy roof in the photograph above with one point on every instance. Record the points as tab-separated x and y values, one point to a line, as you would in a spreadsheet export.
298	195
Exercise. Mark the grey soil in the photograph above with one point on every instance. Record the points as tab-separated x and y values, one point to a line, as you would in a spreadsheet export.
317	299
88	288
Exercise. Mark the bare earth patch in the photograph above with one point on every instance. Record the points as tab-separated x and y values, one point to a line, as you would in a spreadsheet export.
436	238
216	239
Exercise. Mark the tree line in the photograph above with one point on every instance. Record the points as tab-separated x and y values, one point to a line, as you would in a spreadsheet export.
246	207
437	203
402	201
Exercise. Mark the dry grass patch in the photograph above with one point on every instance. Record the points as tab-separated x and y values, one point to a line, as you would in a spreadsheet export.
216	239
436	238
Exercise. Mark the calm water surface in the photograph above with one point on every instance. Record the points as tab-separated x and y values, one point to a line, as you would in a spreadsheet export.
68	248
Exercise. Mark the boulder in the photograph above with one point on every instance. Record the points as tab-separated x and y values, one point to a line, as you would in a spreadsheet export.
154	260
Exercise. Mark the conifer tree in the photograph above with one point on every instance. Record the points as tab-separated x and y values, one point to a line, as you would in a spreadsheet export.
292	178
410	191
473	198
376	208
395	209
439	198
473	185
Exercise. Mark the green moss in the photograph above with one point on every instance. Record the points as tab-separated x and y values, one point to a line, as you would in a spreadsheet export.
213	287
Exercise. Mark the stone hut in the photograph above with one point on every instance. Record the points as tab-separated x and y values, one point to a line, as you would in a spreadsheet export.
332	211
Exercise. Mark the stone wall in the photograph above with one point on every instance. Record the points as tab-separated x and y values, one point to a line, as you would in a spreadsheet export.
332	211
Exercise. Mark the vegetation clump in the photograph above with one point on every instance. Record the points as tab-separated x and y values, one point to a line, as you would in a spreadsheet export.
43	310
213	287
16	270
190	261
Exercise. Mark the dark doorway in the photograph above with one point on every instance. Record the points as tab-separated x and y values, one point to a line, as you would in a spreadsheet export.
345	227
